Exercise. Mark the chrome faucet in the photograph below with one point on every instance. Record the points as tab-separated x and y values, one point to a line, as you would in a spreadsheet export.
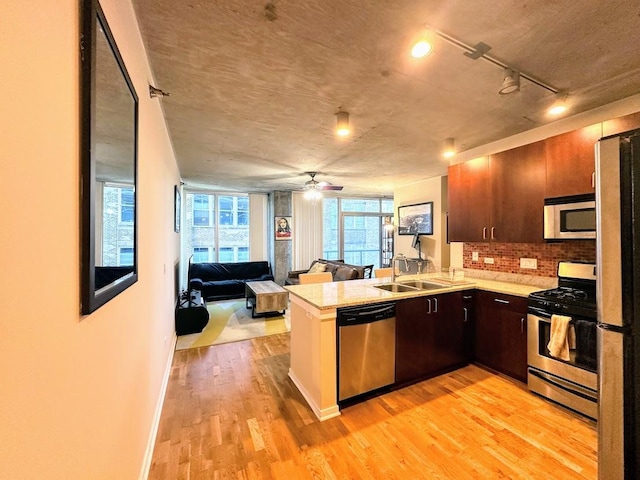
399	256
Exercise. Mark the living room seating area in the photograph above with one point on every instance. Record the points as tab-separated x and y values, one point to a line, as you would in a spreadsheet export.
339	270
222	281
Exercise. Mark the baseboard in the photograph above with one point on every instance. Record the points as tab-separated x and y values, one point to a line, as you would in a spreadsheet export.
146	464
321	414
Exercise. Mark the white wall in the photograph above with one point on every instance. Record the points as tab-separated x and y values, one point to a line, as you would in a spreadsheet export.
434	246
79	394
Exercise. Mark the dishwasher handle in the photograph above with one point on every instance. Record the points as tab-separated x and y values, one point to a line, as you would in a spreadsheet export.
365	314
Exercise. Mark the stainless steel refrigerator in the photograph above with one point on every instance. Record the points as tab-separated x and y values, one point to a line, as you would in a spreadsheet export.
618	298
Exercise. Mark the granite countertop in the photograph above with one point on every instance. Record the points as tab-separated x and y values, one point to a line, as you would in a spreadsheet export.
361	292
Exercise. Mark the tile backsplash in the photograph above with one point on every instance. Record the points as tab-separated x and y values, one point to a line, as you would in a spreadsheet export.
506	256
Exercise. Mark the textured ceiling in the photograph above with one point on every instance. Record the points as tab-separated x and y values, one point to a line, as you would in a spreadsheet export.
255	85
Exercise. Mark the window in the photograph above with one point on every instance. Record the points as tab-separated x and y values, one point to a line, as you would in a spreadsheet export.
118	213
226	255
219	234
201	211
126	256
353	230
127	199
200	254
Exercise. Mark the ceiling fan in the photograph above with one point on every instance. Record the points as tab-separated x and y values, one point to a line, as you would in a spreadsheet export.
313	184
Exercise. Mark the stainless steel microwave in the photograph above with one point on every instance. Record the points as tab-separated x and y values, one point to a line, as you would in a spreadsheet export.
570	218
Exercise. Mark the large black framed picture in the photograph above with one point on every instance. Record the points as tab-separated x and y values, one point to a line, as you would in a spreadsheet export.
416	219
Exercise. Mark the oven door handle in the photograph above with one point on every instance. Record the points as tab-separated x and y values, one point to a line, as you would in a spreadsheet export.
570	387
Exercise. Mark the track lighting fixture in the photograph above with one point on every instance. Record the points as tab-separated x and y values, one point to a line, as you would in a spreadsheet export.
342	127
511	82
449	148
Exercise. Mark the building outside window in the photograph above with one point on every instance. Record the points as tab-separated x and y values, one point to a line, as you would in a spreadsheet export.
353	230
217	227
118	213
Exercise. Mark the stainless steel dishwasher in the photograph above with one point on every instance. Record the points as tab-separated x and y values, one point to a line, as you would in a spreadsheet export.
366	348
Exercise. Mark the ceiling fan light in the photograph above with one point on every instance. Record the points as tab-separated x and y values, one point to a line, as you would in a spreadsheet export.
424	45
313	194
449	148
559	106
511	82
342	127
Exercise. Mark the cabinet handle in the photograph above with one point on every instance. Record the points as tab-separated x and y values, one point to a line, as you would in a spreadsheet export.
484	233
429	303
435	302
466	314
522	325
493	231
499	300
593	180
467	297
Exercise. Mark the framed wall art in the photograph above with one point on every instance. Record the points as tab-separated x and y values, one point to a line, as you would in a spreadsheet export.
416	219
284	230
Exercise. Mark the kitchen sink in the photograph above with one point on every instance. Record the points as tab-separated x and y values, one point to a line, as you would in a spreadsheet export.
396	287
422	284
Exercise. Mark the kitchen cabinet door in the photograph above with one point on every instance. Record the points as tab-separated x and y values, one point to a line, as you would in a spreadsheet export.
570	160
501	333
517	194
412	332
446	348
469	201
430	336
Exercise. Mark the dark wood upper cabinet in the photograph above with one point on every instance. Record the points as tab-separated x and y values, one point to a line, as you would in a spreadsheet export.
469	201
621	124
517	194
571	161
500	198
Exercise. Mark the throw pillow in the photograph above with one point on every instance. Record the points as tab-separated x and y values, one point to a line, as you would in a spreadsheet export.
317	268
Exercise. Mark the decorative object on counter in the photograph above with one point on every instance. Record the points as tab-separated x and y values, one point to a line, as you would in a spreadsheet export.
415	219
283	228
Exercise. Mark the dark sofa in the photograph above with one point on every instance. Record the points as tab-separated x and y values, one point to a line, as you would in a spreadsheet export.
340	271
221	281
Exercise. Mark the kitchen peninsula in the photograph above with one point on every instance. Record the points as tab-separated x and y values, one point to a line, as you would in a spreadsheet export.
313	312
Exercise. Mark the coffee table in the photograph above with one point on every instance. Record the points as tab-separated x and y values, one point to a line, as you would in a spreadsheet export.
265	297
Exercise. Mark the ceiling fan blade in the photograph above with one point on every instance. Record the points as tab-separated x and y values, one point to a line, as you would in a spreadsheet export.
331	187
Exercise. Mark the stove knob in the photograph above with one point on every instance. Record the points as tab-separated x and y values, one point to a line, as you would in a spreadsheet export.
558	306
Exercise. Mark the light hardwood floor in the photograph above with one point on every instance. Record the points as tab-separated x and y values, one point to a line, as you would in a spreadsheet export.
232	413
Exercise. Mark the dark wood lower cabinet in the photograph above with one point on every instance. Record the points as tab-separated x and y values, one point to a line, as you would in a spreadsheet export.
430	336
500	340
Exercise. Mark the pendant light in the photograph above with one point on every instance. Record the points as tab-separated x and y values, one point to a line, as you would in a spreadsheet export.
342	120
449	148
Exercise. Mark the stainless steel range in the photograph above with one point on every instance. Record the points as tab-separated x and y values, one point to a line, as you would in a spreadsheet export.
572	382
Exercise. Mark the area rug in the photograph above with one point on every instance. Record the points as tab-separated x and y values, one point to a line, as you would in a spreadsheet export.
230	321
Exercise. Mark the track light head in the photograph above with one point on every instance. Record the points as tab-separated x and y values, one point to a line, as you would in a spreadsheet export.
511	82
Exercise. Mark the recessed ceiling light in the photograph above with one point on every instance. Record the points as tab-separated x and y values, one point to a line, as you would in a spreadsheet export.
559	106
